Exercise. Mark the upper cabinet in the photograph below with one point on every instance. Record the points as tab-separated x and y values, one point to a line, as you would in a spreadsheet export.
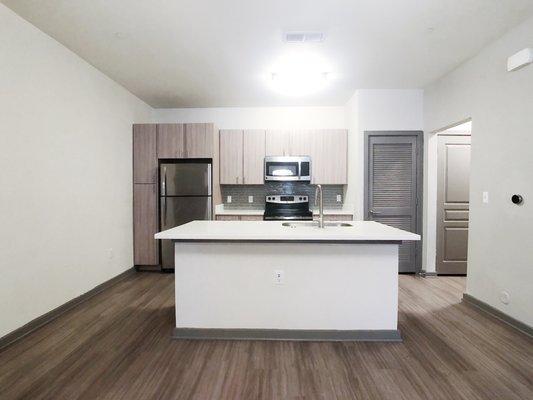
277	142
231	149
199	140
170	141
144	153
253	157
327	148
329	157
241	157
185	140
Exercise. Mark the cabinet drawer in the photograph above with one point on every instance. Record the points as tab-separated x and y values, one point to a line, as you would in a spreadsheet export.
339	217
251	217
227	218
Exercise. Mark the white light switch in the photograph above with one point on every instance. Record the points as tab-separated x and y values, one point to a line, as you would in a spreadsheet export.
339	198
228	199
250	199
485	197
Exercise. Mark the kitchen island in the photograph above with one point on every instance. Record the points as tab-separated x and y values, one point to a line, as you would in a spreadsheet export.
275	280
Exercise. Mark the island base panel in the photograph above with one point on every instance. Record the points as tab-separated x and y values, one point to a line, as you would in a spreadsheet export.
325	287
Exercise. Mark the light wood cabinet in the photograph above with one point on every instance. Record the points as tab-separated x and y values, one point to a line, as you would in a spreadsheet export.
231	157
145	248
302	143
227	218
338	217
253	157
144	153
277	142
199	140
239	217
164	141
251	217
185	140
329	155
241	157
170	141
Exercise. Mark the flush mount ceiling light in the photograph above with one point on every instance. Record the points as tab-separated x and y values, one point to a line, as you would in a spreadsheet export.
299	74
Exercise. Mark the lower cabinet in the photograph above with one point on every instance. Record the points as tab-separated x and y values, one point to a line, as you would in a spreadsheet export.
145	248
239	217
329	217
338	217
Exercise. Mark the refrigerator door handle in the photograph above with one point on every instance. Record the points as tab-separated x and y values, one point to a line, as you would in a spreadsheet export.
164	183
210	209
209	189
164	201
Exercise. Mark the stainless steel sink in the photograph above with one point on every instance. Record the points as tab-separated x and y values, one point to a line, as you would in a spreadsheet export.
314	224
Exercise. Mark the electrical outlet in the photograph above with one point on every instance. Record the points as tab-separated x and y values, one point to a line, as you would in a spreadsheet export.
485	197
339	198
250	199
505	298
279	277
228	199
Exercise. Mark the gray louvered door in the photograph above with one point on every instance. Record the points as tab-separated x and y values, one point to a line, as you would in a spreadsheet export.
392	188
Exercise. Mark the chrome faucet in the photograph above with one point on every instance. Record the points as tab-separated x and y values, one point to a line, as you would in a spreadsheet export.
318	191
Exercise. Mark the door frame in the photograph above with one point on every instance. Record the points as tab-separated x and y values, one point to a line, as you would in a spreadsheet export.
419	183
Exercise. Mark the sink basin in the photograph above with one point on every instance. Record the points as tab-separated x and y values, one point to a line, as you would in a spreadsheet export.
314	224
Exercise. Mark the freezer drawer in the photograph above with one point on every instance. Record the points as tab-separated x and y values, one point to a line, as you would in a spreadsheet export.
177	211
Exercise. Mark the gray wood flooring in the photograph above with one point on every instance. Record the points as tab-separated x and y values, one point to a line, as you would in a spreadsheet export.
117	346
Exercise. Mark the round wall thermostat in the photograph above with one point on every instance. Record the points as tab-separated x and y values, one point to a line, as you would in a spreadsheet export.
517	199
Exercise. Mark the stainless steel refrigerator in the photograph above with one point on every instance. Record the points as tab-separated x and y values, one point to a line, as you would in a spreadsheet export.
185	195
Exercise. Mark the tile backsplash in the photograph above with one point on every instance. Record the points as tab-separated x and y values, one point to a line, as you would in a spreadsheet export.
239	194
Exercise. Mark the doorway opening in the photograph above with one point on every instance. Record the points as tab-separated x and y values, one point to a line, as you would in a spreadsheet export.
448	197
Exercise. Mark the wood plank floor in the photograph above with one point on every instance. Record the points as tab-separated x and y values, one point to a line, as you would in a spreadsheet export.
117	346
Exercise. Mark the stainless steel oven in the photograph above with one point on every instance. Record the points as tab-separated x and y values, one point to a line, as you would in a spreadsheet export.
286	169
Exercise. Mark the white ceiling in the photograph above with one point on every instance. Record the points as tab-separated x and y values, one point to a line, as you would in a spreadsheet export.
203	53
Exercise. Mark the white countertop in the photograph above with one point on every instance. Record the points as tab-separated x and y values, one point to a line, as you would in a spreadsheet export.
363	231
221	210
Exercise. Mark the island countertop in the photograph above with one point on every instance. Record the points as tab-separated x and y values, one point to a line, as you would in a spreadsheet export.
360	231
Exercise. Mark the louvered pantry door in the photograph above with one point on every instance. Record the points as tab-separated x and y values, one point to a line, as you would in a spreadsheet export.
392	188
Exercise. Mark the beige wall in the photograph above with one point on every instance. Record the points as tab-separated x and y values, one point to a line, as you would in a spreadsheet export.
501	107
65	174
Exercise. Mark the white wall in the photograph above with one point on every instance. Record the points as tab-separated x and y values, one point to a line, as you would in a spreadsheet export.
376	110
366	110
65	174
257	117
501	107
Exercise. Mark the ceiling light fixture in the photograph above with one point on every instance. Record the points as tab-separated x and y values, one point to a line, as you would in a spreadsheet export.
299	74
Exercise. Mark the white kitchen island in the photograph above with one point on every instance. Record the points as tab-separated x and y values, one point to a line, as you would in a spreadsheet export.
264	280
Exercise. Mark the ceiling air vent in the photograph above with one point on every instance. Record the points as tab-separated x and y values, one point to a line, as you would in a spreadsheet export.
303	37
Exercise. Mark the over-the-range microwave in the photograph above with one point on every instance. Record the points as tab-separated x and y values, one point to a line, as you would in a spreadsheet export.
288	168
